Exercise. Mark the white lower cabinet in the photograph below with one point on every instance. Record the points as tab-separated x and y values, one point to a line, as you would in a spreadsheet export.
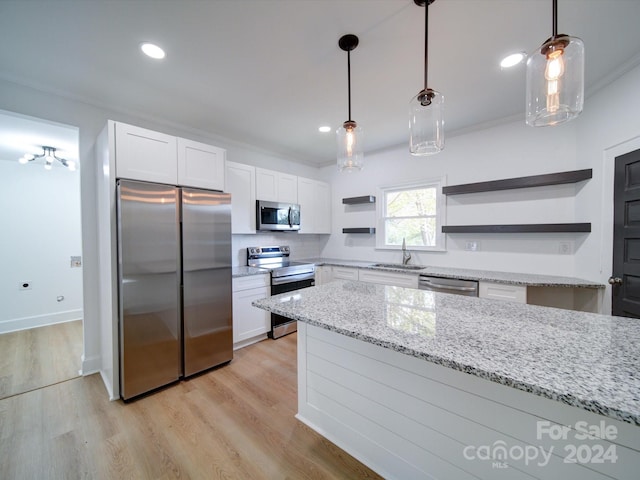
388	278
324	274
250	324
501	291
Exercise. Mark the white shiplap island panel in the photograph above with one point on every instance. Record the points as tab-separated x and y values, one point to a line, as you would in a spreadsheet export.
424	385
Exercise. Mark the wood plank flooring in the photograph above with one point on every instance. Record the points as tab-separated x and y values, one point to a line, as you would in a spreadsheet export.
37	357
234	422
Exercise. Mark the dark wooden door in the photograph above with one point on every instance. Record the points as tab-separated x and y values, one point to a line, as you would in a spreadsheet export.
625	278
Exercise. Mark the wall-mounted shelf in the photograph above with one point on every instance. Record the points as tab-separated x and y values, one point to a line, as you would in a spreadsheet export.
523	228
573	176
359	200
359	230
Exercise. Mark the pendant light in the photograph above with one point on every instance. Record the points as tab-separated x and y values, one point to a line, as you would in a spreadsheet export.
555	79
426	109
349	136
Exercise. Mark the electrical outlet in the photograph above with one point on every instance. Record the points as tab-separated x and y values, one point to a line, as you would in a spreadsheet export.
471	246
24	286
565	248
76	262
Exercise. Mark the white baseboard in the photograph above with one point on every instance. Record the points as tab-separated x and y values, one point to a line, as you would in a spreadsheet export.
25	323
90	365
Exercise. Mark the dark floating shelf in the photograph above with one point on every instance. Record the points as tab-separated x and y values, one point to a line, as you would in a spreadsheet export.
573	176
358	200
524	228
359	230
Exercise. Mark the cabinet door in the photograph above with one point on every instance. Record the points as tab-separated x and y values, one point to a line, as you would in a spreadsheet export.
266	185
500	291
143	154
314	198
308	203
345	273
388	278
200	165
323	274
249	321
241	184
287	188
323	207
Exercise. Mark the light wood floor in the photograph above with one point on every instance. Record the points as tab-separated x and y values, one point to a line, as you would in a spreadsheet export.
234	422
37	357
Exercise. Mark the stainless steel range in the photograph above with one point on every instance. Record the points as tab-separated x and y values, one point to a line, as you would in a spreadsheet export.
286	276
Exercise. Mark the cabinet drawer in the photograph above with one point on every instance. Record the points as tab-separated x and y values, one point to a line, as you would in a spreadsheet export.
500	291
250	281
388	278
345	273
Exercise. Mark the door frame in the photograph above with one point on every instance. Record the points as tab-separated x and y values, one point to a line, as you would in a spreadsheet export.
606	233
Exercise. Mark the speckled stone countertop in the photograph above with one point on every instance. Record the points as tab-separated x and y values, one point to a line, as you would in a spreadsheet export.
581	359
512	278
247	271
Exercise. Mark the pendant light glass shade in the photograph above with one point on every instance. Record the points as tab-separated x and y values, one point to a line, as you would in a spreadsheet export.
555	79
426	109
350	152
426	123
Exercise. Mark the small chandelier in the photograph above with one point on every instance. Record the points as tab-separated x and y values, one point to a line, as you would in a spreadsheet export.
349	136
555	79
426	109
49	155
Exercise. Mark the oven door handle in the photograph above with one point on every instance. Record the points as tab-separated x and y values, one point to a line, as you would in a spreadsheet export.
292	278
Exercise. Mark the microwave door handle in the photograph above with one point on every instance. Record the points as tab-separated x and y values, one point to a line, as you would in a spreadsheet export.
290	224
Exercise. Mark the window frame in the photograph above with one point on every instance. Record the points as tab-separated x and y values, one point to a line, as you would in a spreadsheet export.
440	215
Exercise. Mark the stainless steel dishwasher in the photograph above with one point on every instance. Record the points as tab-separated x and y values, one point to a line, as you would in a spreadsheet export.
449	285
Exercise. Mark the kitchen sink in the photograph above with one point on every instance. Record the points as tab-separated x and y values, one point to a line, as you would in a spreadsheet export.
399	266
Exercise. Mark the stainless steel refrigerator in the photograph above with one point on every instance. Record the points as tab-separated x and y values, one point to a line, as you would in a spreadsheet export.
174	254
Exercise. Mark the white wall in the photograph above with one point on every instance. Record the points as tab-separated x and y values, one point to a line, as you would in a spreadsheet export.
505	151
41	231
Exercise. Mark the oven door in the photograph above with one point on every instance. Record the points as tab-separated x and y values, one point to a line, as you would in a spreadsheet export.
280	325
277	216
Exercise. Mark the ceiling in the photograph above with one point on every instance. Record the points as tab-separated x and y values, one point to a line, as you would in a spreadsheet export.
269	72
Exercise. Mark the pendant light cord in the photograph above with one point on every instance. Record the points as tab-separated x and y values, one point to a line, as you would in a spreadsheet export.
426	43
349	80
555	18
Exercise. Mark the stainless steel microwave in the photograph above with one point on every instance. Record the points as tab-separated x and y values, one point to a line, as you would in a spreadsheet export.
276	216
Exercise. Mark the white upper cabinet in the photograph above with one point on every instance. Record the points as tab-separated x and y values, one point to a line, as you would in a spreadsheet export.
241	184
150	156
287	188
276	186
143	154
315	206
200	165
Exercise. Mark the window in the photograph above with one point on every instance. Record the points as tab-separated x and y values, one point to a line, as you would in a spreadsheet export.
413	213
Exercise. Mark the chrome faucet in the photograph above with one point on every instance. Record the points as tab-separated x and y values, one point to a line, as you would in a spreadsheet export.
406	256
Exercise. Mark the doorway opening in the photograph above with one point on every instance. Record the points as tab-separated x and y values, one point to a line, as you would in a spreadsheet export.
41	330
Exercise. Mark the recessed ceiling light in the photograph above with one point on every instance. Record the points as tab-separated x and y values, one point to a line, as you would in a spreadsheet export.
324	129
152	50
512	60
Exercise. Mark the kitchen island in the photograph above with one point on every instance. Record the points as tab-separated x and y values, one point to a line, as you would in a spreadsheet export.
417	384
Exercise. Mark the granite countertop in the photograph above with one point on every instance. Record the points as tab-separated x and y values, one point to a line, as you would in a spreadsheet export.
512	278
247	271
581	359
